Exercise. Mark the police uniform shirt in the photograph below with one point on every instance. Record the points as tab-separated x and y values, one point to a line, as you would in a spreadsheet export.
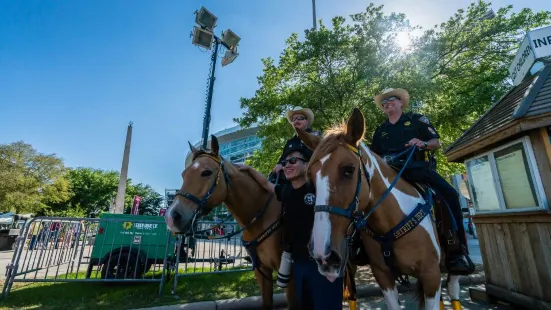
390	139
298	217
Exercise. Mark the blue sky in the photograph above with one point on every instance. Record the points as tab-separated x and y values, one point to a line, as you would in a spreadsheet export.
74	73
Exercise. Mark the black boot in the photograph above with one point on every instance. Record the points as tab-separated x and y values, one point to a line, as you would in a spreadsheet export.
458	261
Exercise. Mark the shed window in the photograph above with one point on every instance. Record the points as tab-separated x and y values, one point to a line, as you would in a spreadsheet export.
506	179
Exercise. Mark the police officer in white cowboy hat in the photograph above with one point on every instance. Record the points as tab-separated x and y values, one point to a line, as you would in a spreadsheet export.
298	117
402	130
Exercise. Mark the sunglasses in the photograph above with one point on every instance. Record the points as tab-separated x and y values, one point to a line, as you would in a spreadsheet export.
292	161
389	99
298	118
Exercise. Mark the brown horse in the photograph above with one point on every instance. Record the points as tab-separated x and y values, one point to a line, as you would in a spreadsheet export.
209	181
350	180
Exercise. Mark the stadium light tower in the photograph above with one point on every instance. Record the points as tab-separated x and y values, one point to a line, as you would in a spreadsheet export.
203	36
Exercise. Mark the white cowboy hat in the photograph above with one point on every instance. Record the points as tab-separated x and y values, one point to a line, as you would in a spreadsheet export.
300	110
389	92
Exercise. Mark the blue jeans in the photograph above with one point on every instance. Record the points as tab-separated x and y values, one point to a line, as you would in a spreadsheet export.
314	291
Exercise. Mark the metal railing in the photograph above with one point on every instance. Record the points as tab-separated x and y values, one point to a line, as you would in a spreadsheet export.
56	249
210	252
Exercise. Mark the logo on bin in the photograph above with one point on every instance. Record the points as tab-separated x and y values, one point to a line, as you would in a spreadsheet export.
127	225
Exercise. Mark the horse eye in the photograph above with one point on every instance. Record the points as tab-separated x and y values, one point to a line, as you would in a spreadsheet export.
206	173
349	171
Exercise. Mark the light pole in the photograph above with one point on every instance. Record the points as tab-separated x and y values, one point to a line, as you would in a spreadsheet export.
204	36
314	14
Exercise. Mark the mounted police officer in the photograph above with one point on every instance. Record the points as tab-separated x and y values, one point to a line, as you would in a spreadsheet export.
298	117
401	131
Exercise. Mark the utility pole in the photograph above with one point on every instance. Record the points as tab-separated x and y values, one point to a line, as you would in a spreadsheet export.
314	14
121	191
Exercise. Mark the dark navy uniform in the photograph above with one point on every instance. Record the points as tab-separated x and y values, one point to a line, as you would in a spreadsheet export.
390	140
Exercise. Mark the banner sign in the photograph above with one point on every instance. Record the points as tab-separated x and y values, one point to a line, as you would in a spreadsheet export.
136	205
535	45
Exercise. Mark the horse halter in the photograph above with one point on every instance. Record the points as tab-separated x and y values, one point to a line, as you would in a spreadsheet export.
202	202
351	212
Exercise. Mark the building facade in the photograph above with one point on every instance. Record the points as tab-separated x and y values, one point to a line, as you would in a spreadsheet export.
236	144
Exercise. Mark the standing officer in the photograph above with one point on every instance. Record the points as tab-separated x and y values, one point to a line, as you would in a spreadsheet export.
298	117
398	133
313	290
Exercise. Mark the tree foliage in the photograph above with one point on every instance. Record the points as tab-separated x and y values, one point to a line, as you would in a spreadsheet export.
31	182
453	73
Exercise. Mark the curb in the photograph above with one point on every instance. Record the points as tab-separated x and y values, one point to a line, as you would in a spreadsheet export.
254	302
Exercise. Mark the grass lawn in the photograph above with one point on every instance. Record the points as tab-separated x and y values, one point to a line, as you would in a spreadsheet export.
129	296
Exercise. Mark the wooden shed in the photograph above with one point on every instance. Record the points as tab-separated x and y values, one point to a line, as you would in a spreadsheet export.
507	153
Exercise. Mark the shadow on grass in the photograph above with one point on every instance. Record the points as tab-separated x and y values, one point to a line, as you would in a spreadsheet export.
130	295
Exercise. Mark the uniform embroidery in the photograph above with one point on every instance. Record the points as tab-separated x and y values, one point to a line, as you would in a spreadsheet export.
309	199
407	123
424	119
383	134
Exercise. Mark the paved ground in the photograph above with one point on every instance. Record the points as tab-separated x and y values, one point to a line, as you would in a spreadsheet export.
407	302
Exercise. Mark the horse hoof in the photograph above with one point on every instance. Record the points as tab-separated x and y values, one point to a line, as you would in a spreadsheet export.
456	305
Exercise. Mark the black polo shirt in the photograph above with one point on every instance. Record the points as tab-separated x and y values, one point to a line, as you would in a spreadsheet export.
390	139
298	218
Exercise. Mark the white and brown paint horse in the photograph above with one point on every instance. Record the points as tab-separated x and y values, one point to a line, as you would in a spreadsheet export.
209	181
349	180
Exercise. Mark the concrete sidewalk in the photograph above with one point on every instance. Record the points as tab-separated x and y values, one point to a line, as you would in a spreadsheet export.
254	302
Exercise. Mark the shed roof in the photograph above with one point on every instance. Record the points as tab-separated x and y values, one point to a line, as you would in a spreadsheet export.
530	98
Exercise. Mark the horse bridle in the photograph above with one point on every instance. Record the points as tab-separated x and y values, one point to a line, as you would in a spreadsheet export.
202	202
351	212
359	218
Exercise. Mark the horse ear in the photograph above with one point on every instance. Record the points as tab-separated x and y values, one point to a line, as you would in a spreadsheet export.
355	127
310	140
193	149
214	146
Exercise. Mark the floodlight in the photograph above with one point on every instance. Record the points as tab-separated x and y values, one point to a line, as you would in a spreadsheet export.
206	19
202	37
489	15
229	57
230	38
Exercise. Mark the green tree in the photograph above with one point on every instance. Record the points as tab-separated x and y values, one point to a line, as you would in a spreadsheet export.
92	191
453	72
29	180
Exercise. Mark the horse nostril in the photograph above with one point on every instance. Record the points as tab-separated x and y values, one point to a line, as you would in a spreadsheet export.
176	216
333	259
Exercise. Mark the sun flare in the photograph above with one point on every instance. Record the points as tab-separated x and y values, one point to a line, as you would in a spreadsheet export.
403	40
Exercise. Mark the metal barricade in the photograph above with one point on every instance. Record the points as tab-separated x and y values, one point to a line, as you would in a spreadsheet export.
210	252
123	248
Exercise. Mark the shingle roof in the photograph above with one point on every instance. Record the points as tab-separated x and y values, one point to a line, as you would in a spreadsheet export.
532	97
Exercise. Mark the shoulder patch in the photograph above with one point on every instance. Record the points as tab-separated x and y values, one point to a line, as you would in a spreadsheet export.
424	119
